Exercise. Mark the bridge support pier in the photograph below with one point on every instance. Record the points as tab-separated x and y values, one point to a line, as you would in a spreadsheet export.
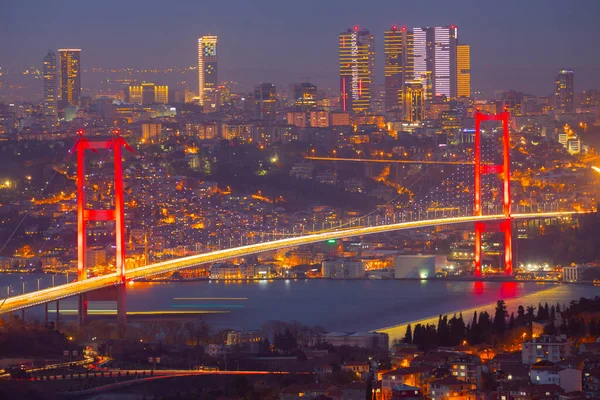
57	323
83	310
122	309
46	314
23	315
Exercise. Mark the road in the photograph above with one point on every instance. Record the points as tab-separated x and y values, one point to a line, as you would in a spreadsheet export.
68	290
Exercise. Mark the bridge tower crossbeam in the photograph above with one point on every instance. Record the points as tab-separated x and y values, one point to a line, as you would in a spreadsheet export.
504	171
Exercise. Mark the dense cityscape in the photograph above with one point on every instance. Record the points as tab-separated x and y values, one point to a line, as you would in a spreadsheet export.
183	233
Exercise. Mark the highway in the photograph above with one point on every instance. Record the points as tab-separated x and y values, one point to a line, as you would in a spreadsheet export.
68	290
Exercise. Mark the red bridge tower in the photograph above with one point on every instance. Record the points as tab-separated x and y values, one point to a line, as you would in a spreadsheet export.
114	144
504	171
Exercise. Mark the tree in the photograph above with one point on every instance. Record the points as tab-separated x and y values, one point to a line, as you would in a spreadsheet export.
521	319
500	317
530	316
285	341
511	321
408	334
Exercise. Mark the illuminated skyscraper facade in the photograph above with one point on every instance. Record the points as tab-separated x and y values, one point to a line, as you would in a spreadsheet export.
564	99
463	71
207	68
399	64
435	60
69	77
357	69
413	101
50	86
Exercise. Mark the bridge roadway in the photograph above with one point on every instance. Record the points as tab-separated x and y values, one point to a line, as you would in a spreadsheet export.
68	290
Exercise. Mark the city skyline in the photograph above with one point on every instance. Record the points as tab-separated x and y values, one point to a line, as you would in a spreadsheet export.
509	50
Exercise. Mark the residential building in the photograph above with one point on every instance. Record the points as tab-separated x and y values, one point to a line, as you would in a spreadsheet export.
451	388
319	119
546	347
467	368
564	95
151	132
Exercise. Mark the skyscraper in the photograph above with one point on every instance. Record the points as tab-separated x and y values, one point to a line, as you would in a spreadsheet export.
564	93
357	69
265	97
435	55
463	71
413	101
50	87
207	68
305	96
69	77
399	64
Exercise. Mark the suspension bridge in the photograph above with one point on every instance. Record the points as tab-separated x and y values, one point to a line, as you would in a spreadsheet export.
117	280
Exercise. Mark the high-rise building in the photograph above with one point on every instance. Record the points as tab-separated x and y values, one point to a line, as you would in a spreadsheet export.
435	61
399	64
564	100
305	96
69	77
50	86
148	93
265	97
463	71
357	69
413	101
207	68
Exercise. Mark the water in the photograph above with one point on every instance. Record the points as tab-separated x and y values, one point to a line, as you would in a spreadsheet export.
343	305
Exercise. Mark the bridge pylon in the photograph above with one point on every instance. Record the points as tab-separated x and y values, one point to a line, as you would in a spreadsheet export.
504	170
114	144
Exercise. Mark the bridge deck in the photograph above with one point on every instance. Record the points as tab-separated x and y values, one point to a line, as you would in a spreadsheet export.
68	290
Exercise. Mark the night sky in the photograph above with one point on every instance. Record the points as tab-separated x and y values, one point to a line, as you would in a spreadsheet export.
514	43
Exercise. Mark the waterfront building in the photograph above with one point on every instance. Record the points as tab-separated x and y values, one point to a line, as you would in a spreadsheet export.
344	268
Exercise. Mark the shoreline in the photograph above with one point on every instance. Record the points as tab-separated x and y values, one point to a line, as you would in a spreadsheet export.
398	331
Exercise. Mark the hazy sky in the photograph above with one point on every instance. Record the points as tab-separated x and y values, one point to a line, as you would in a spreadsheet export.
515	43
